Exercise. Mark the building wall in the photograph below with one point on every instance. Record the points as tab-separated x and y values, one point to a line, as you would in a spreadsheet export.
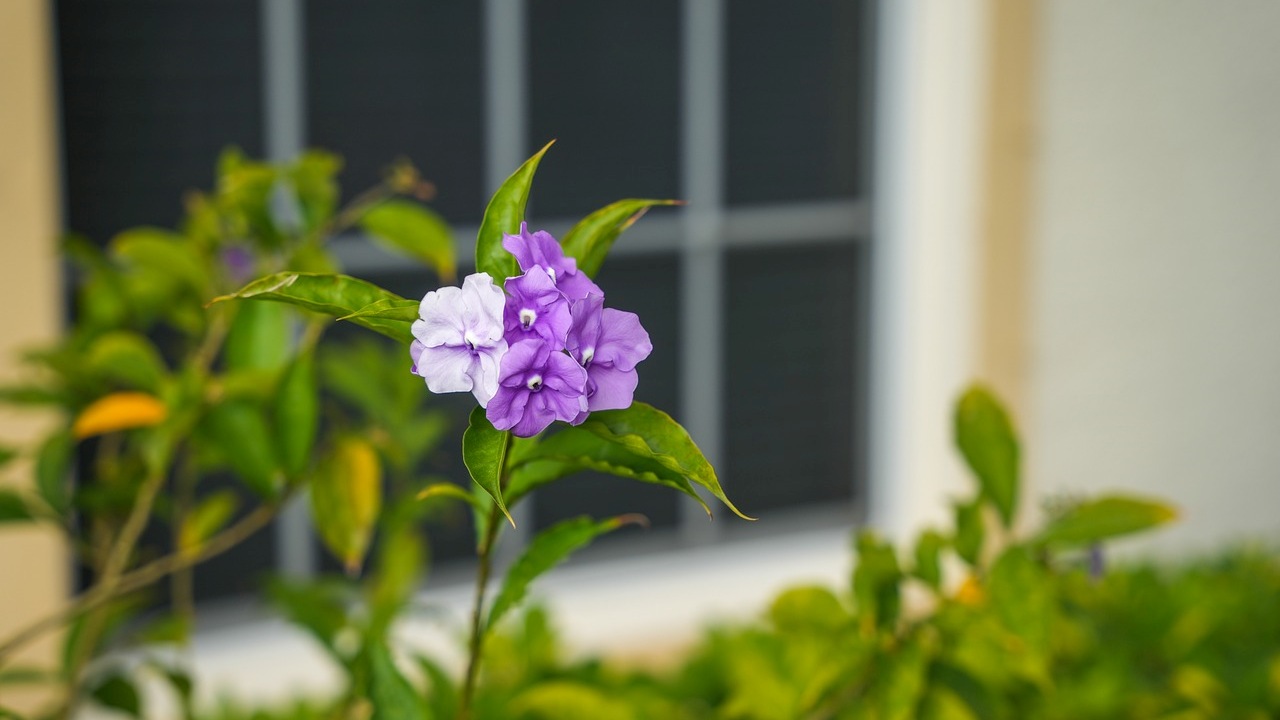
1153	340
32	561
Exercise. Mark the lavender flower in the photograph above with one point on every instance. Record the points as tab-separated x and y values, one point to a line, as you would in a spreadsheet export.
608	344
458	338
536	308
541	248
537	385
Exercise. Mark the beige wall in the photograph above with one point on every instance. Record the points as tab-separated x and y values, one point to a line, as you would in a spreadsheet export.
1153	332
32	563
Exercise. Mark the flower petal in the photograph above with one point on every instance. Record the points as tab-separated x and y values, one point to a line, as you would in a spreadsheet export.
623	341
447	368
440	317
615	389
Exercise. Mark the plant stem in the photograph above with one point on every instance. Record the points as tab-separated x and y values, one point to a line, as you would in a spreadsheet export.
142	577
485	558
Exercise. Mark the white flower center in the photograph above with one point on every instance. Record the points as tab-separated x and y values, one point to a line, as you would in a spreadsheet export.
552	272
587	354
535	383
471	340
527	316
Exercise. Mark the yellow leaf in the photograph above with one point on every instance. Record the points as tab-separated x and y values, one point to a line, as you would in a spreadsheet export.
346	497
119	411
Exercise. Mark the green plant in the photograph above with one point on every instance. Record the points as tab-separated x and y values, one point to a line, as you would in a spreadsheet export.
162	399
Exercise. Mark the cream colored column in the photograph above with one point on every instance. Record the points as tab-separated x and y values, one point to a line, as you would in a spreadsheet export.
33	563
1009	156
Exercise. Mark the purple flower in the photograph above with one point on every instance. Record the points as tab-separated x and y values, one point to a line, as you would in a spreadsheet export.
458	338
608	344
535	308
541	248
537	385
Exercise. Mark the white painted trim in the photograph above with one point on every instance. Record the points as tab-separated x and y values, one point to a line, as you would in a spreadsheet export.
930	91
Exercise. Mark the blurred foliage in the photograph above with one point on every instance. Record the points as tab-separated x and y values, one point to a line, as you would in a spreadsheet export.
184	427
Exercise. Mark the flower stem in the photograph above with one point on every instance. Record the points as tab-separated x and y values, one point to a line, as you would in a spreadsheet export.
485	558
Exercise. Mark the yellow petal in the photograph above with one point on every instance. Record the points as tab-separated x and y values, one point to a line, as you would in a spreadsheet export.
119	411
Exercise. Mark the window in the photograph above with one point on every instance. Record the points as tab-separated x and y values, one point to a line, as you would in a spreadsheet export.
754	293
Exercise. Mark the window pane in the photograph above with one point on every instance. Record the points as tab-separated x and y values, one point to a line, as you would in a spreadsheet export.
151	93
792	324
649	287
399	78
604	81
795	83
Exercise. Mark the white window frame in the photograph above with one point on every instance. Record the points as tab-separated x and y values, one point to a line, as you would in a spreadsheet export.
929	97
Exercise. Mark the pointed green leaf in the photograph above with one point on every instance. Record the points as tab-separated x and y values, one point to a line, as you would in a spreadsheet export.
13	508
589	241
163	254
53	464
448	490
548	549
118	693
504	215
416	231
969	531
391	695
259	338
928	565
572	450
1105	518
484	452
650	433
441	693
401	309
346	498
987	440
241	432
876	582
335	295
209	516
126	359
297	414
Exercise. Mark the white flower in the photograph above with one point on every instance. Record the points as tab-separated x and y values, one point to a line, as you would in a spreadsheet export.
458	338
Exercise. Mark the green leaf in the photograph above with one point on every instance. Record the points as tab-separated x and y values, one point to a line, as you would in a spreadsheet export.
297	414
22	675
876	582
346	497
391	695
448	490
209	516
31	395
163	254
317	607
808	610
441	693
589	241
416	231
53	464
484	452
313	178
13	508
127	359
7	714
240	430
1022	595
987	440
651	433
572	450
504	215
928	566
548	549
567	700
1105	518
969	531
965	687
259	338
118	693
7	455
401	309
334	295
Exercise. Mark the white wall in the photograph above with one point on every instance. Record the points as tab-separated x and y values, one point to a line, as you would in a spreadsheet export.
1155	333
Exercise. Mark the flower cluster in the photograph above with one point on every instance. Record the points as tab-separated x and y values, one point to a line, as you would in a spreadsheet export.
547	349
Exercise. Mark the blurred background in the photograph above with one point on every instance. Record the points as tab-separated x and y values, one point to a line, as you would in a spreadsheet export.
1071	200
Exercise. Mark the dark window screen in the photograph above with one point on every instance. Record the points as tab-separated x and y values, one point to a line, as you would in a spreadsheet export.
400	78
604	81
649	287
792	319
794	100
151	93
